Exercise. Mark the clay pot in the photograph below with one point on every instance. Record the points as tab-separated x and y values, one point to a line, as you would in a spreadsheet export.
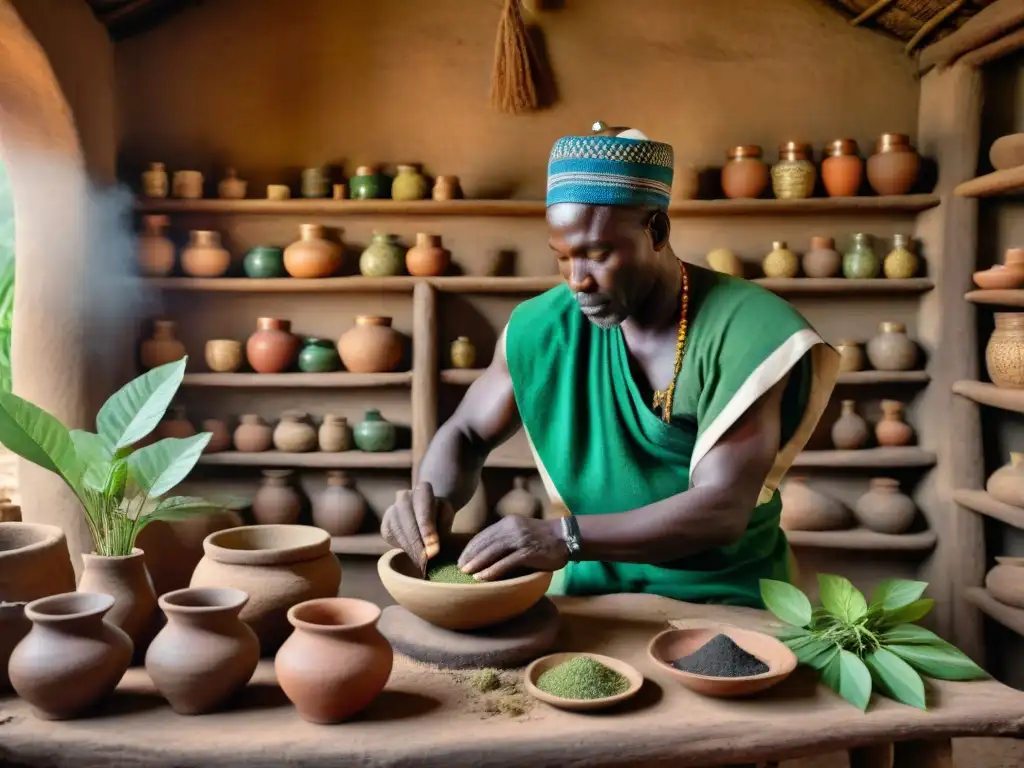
371	345
174	547
340	191
272	348
447	188
154	181
368	184
223	355
901	263
339	508
264	262
892	430
253	434
374	433
162	347
893	169
1004	353
72	658
822	260
318	356
851	356
9	513
1006	484
781	262
294	433
383	257
204	256
793	177
1007	151
884	509
804	509
891	349
472	518
276	501
187	185
205	654
312	255
850	430
13	627
174	424
315	182
998	277
278	192
336	662
463	353
332	437
277	566
519	501
1005	582
220	435
128	581
156	251
745	174
231	187
409	184
725	261
427	258
843	170
860	262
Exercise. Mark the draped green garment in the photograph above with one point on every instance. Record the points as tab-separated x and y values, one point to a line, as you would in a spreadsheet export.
601	448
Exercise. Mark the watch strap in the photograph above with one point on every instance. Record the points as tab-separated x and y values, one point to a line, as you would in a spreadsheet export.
572	536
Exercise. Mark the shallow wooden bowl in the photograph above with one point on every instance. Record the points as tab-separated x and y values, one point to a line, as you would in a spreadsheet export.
459	606
544	663
673	644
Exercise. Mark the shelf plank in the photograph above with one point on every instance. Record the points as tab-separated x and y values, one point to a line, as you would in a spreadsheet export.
982	503
367	544
991	184
863	539
1000	298
336	380
316	460
785	286
866	458
1010	617
984	393
466	376
461	376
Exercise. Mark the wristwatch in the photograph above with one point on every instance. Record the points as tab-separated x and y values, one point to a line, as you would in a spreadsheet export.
571	534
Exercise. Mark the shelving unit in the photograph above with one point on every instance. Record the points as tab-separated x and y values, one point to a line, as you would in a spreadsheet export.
861	539
1006	298
985	393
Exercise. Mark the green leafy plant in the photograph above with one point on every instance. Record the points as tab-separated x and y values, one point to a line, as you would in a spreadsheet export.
856	645
122	488
6	278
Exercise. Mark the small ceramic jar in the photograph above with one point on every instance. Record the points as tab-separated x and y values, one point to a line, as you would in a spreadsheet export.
264	262
315	182
220	435
850	431
893	169
162	347
781	262
273	348
427	258
463	353
822	259
794	175
223	355
253	434
409	184
901	262
312	255
725	261
1004	352
278	192
745	174
154	181
383	257
340	191
156	251
891	349
851	356
884	508
447	188
204	256
231	187
277	501
188	185
374	433
333	436
318	356
842	171
367	184
860	262
294	433
892	431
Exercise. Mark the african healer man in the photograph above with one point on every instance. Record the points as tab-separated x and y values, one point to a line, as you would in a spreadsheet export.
663	403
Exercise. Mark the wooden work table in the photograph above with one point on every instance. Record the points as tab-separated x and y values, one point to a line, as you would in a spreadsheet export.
426	718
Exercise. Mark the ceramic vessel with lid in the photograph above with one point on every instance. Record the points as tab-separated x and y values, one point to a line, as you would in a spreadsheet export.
333	434
371	345
276	501
427	258
273	348
294	433
822	259
781	262
901	262
860	262
162	347
409	184
156	251
383	257
231	187
884	508
891	349
893	169
154	181
339	508
204	256
850	430
1004	352
745	173
794	175
842	170
253	434
312	255
805	509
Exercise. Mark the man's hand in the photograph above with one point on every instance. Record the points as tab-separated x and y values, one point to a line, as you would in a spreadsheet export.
513	543
412	523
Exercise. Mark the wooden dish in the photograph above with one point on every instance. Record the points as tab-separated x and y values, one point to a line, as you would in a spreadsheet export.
459	606
673	644
544	663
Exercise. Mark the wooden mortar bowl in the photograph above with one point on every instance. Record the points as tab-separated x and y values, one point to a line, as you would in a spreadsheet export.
544	663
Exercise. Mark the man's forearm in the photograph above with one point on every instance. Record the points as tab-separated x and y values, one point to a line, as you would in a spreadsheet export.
452	465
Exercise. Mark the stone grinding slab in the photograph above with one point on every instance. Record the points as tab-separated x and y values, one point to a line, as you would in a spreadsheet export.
511	644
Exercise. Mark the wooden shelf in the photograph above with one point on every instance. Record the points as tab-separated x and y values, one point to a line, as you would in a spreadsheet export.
461	376
982	503
989	394
338	380
863	539
466	376
1010	617
991	184
368	544
866	458
796	286
1003	298
314	460
356	284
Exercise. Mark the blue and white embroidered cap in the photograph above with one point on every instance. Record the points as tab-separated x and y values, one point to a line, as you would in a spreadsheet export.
625	169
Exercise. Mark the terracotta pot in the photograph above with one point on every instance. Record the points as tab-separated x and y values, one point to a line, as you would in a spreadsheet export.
1005	582
156	251
409	184
804	509
162	347
204	256
188	185
892	430
272	348
472	518
277	566
781	262
336	662
312	255
128	581
901	263
374	433
294	433
72	658
223	355
1006	484
860	262
278	192
154	181
851	356
1004	353
427	258
893	169
745	174
332	436
843	170
231	187
174	424
884	509
371	345
462	352
518	502
174	547
850	430
447	188
891	349
13	627
220	439
383	257
276	501
1007	151
205	654
822	260
998	277
253	434
725	261
339	508
794	175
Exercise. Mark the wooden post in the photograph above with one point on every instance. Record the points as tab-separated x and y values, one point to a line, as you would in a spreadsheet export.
924	754
424	372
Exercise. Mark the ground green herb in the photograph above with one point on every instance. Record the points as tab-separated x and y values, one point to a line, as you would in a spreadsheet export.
485	680
448	573
582	678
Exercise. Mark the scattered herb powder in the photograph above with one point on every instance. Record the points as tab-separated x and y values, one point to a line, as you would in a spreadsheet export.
447	572
721	657
582	678
485	680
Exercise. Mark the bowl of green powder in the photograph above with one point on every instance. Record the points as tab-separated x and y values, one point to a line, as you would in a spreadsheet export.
451	599
581	681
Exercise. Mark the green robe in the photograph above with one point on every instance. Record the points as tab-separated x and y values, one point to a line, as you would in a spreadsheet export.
601	449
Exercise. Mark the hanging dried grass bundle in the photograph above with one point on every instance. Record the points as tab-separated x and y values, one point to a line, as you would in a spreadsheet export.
513	90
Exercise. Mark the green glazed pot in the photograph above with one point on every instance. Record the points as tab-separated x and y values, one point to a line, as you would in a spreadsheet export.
860	261
318	356
409	184
383	257
369	184
374	433
264	261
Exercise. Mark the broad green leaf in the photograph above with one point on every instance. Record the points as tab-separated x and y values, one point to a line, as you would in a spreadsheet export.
133	411
943	662
33	434
854	680
916	611
824	658
896	678
830	674
787	602
910	634
788	633
813	651
840	598
181	507
96	460
896	593
161	466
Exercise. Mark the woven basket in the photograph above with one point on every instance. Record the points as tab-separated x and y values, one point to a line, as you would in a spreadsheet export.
904	18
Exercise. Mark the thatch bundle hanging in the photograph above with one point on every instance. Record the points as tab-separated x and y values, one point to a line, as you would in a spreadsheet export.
918	22
513	85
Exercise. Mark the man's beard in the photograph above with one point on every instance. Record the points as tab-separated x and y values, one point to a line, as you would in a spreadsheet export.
599	310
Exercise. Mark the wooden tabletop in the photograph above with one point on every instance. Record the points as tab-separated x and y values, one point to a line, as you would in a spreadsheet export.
429	718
